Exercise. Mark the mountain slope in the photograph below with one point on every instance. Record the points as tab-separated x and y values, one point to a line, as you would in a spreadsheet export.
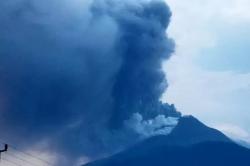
191	143
243	143
203	154
191	131
188	131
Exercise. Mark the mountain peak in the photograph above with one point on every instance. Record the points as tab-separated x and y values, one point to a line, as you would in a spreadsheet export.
191	141
188	131
191	131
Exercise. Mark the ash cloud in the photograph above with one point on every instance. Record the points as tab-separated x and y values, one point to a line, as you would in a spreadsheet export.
72	72
160	125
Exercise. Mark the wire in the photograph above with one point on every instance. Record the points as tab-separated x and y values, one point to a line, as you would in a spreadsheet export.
11	162
26	153
19	158
30	155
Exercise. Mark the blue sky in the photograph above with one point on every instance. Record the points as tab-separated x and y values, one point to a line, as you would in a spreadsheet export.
209	75
231	51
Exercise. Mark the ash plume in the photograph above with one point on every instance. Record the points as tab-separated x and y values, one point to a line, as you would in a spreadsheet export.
73	72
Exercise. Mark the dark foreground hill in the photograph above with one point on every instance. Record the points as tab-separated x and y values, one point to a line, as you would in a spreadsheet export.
191	143
202	154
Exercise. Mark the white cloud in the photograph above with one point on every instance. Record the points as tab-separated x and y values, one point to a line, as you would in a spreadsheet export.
237	11
233	11
234	132
213	96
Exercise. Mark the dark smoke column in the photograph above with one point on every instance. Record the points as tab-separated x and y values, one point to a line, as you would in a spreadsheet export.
71	75
143	45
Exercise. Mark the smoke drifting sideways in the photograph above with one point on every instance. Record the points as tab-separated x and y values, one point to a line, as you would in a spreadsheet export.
160	125
74	73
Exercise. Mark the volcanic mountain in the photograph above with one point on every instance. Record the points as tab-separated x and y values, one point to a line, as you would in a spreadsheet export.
191	143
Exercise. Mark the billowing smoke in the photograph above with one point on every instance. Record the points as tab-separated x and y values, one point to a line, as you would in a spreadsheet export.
72	72
160	125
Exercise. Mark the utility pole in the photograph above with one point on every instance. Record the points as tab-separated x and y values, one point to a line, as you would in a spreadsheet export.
6	146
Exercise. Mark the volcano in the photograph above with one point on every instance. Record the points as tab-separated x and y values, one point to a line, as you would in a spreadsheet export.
191	143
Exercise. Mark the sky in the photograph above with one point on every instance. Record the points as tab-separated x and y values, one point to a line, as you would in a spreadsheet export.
89	72
209	75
